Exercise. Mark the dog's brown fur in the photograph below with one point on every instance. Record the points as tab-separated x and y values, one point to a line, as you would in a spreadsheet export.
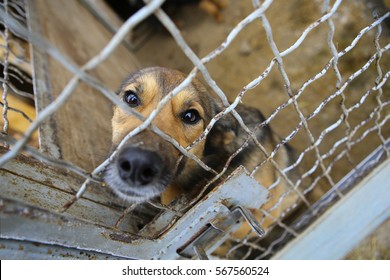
183	175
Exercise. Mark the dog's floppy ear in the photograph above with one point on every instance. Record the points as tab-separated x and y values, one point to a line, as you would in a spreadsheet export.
223	134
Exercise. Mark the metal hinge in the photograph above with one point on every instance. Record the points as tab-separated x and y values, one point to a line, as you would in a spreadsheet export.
208	224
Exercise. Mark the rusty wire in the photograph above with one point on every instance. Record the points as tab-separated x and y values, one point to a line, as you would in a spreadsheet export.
13	22
5	73
378	80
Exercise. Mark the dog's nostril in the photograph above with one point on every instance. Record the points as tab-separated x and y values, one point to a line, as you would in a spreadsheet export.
147	175
125	166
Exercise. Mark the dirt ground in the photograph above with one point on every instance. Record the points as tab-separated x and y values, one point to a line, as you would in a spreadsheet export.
249	55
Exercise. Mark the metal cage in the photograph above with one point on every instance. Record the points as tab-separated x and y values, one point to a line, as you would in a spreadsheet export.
335	114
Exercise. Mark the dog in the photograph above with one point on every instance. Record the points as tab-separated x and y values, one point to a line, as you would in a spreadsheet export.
148	166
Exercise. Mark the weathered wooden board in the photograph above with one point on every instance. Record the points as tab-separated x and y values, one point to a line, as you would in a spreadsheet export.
31	182
80	130
24	250
108	18
23	222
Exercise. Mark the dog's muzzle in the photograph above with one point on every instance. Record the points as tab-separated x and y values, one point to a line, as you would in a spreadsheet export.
139	167
143	168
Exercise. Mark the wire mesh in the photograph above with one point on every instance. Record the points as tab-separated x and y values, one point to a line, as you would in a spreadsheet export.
329	142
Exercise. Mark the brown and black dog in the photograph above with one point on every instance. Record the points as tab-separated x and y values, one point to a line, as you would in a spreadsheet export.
149	166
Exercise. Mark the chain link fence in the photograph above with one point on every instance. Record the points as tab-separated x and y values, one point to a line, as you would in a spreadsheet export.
340	127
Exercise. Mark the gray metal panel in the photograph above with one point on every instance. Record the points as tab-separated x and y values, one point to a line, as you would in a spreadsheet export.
348	222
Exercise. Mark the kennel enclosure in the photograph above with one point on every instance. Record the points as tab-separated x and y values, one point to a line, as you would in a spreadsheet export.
54	203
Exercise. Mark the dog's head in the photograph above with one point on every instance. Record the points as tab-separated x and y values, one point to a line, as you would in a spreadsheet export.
147	164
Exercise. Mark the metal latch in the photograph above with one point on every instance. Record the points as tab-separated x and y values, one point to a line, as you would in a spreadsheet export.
203	228
214	234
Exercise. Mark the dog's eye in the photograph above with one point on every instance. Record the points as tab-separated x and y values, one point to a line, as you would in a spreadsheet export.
131	98
190	116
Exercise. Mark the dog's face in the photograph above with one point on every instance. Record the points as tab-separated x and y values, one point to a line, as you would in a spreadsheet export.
147	164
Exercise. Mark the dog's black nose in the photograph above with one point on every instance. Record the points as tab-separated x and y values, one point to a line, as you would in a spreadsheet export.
139	166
